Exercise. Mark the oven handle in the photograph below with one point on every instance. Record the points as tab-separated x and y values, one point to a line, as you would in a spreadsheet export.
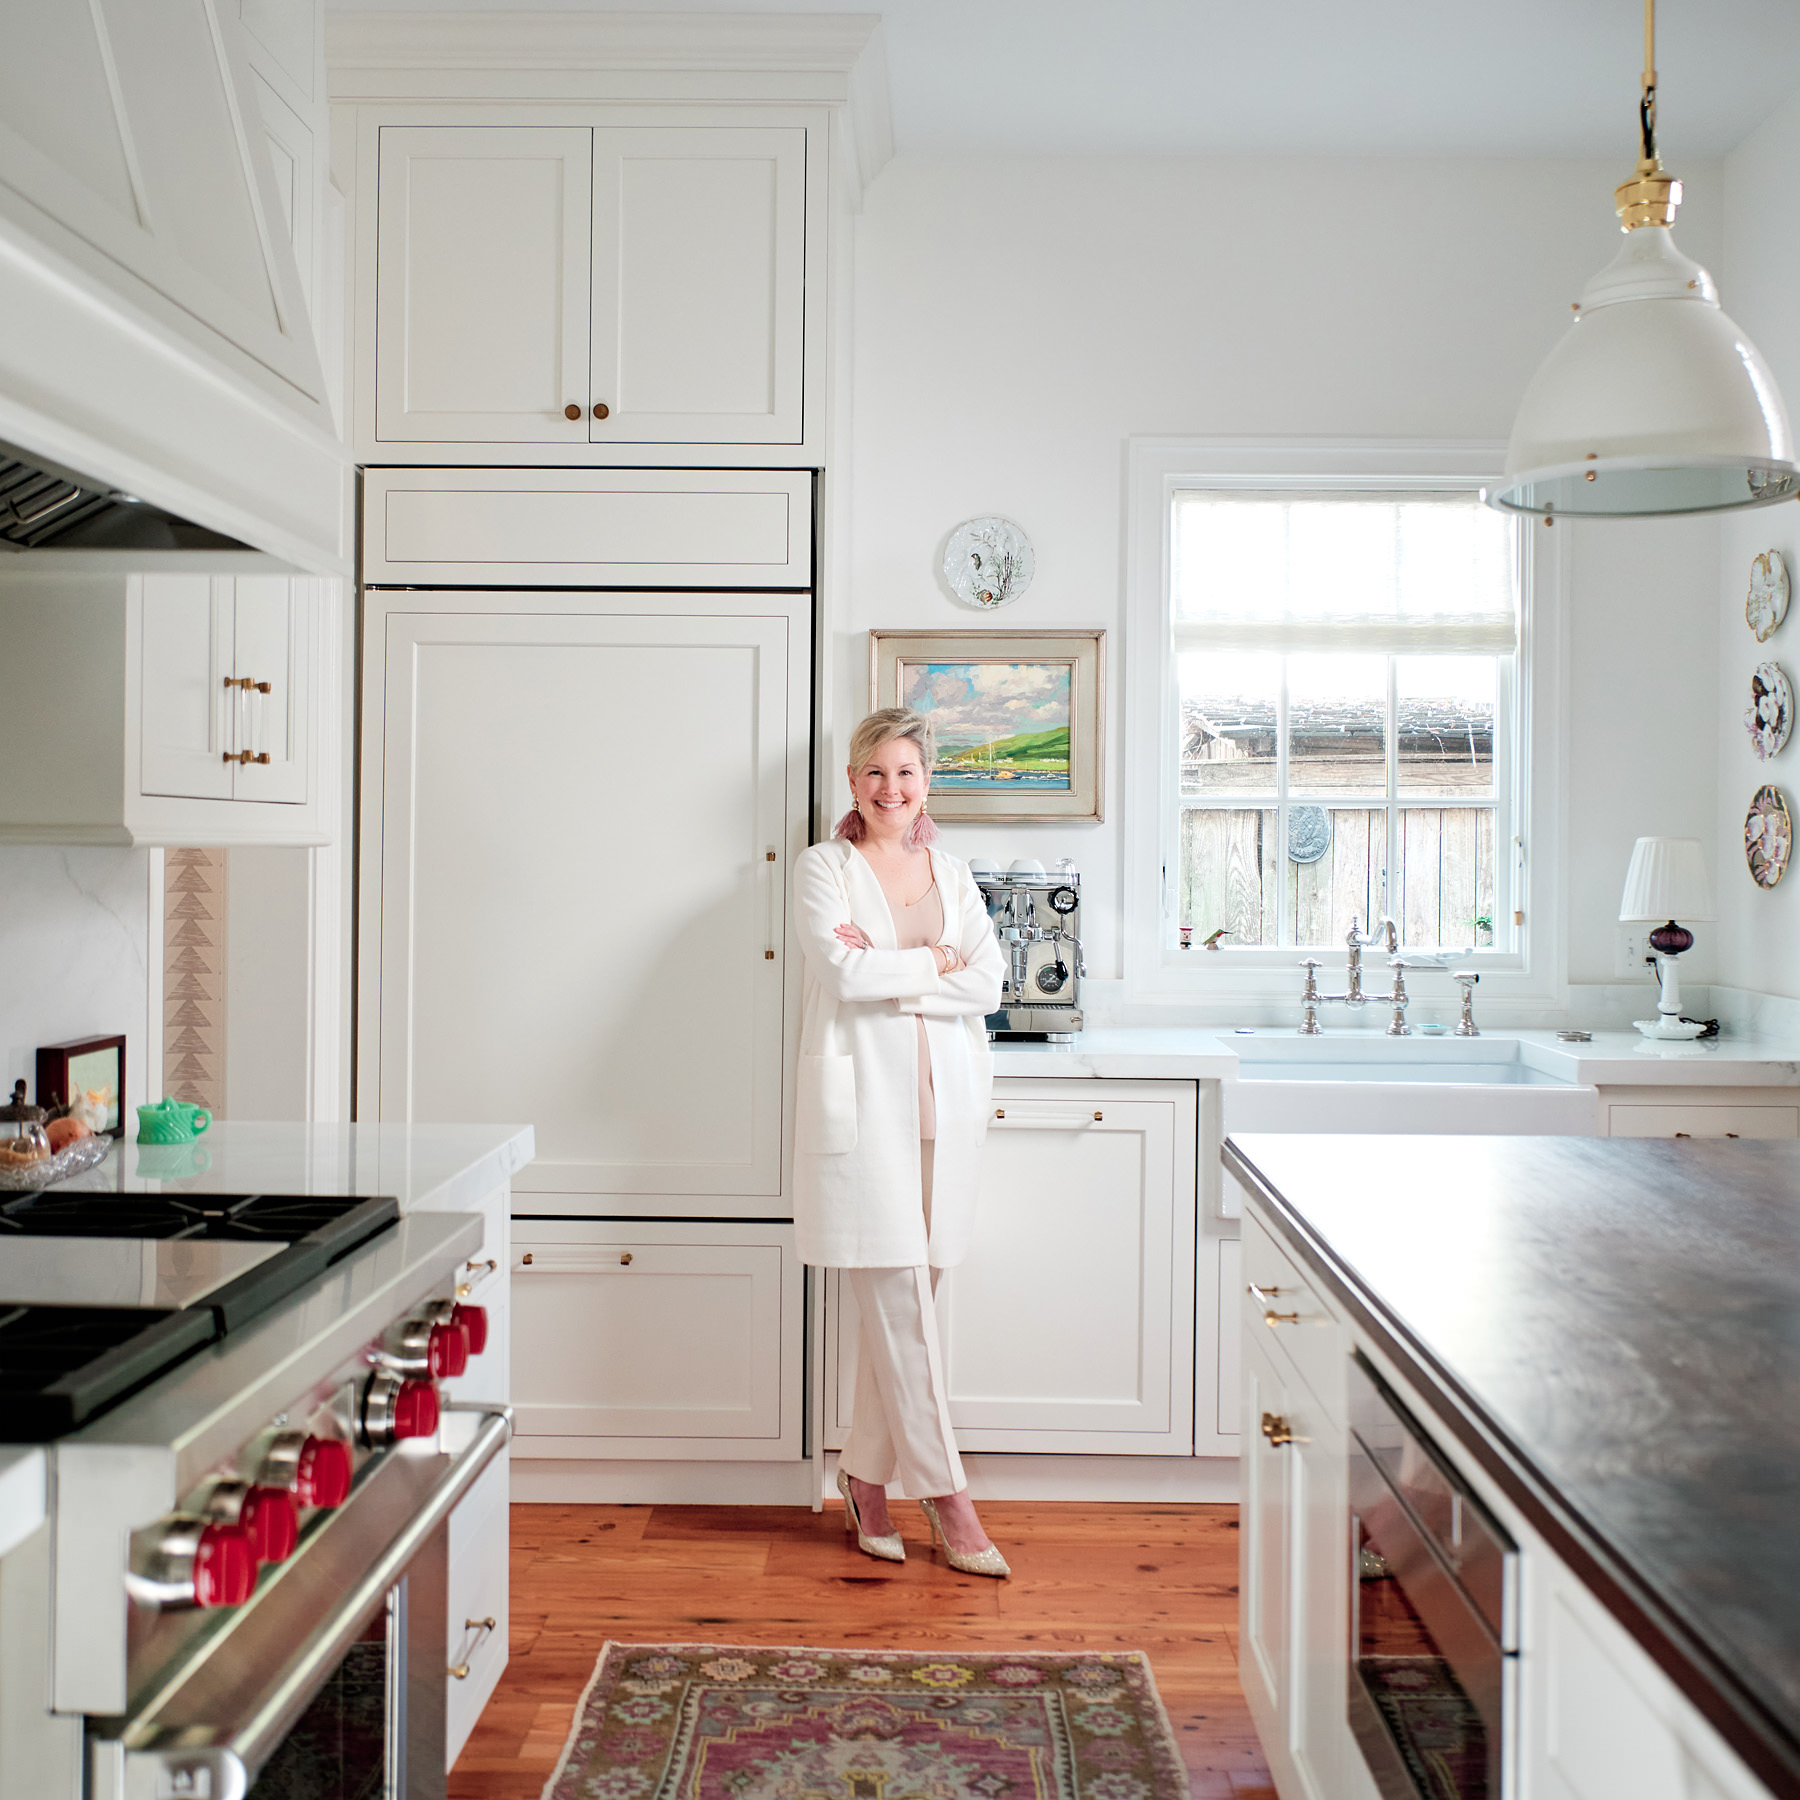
181	1733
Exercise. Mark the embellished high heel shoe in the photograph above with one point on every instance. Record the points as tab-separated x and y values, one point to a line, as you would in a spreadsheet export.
979	1562
887	1549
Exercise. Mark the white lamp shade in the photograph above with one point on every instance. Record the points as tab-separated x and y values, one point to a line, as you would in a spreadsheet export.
1653	403
1667	880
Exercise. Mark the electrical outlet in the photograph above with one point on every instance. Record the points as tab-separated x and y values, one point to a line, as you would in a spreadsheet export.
1630	948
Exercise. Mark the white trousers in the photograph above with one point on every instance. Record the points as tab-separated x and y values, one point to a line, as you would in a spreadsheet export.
900	1430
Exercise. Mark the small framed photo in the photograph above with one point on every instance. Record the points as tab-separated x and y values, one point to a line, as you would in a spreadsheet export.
1020	718
90	1068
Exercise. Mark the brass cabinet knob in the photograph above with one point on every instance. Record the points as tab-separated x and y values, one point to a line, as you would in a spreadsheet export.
601	409
571	411
1099	1118
624	1257
1275	1429
526	1257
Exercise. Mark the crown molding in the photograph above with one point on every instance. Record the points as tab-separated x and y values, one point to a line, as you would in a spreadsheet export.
804	59
804	43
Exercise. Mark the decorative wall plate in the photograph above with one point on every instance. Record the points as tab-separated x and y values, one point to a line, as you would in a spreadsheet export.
1770	715
1768	837
1309	833
1768	602
988	563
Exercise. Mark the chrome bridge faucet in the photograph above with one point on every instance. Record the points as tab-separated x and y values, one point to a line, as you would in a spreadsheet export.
1356	941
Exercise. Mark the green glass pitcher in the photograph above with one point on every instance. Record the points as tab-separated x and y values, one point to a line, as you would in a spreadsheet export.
171	1121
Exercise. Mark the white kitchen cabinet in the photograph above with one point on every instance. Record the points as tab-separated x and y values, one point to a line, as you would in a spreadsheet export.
476	1602
613	528
1070	1324
1700	1112
656	1339
191	720
602	287
481	323
1293	1579
578	816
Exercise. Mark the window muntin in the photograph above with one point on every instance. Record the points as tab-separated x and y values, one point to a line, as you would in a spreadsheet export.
1345	677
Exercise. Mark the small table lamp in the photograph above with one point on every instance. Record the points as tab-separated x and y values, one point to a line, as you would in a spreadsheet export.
1667	881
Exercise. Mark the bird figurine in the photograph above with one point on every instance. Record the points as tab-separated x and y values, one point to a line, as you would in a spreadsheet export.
1211	942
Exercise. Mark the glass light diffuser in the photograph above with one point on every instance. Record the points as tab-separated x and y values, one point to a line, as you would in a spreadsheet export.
1655	403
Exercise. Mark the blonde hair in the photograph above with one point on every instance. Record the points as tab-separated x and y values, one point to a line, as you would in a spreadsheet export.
892	722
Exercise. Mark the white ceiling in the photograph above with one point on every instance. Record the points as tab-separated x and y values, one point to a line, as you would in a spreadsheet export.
1363	77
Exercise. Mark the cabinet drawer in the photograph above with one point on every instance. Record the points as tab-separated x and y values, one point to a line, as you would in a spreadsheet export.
1281	1307
540	528
475	1593
664	1340
1703	1121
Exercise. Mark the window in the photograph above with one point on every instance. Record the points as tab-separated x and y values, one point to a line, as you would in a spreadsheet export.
1342	701
1344	666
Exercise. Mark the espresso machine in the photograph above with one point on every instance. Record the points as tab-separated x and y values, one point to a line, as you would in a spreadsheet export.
1037	918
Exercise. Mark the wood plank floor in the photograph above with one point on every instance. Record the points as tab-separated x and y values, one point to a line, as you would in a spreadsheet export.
1162	1579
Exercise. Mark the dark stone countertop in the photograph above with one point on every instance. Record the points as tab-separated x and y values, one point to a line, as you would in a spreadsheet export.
1612	1329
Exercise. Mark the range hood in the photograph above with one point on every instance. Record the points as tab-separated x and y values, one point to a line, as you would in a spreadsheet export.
46	507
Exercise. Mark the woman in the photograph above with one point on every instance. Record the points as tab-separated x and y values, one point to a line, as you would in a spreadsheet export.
895	1076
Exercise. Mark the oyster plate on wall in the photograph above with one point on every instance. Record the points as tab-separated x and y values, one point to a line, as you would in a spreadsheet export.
1768	837
988	563
1770	715
1768	602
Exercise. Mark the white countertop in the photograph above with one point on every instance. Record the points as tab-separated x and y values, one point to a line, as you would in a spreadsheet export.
1611	1059
426	1167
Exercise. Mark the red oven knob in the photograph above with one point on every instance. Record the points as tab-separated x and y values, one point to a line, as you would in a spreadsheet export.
415	1410
474	1321
224	1566
396	1407
322	1477
447	1352
273	1522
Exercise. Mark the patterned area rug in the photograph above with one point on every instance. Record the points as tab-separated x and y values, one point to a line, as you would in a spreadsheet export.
717	1722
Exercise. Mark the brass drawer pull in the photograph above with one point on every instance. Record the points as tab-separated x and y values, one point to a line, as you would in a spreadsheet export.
999	1112
1276	1429
526	1258
1272	1319
460	1671
571	411
1262	1295
249	684
476	1264
624	1258
601	409
245	756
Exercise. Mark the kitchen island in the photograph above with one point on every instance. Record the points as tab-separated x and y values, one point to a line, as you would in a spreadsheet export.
1604	1338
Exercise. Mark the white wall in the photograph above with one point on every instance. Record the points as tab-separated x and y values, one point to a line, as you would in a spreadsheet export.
1758	933
74	957
1017	320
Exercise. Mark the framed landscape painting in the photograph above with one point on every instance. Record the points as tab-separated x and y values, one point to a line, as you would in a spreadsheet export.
1019	717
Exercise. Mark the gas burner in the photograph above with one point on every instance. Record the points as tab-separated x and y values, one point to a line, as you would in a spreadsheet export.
270	1218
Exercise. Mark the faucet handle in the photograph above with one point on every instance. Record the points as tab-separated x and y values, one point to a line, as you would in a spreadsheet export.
1310	962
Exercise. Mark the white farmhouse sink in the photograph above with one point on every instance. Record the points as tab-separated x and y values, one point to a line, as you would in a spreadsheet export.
1358	1082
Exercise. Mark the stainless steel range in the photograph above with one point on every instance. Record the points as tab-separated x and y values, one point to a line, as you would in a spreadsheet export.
239	1588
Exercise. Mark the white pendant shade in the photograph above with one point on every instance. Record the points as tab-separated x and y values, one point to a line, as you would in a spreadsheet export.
1667	880
1653	403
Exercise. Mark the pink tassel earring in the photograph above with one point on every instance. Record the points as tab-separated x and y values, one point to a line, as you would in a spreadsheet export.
924	831
851	827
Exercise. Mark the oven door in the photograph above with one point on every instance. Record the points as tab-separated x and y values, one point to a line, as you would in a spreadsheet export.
1431	1680
331	1681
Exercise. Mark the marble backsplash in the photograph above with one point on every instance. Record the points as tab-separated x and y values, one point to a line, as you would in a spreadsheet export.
74	955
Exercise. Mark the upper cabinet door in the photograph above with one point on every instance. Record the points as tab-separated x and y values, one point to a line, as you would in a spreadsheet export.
699	281
273	617
482	289
185	628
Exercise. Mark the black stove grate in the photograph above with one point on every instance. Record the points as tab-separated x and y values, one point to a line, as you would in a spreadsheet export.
62	1365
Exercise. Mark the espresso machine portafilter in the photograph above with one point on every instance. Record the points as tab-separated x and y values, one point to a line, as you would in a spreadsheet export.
1037	918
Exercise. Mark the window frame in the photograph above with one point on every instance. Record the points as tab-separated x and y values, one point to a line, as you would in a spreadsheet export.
1251	983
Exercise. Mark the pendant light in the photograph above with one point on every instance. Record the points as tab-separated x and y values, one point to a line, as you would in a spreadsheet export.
1655	403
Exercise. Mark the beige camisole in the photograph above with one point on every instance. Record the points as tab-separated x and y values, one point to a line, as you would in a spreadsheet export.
916	926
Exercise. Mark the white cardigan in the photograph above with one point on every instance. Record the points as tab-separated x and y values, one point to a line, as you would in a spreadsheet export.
856	1119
